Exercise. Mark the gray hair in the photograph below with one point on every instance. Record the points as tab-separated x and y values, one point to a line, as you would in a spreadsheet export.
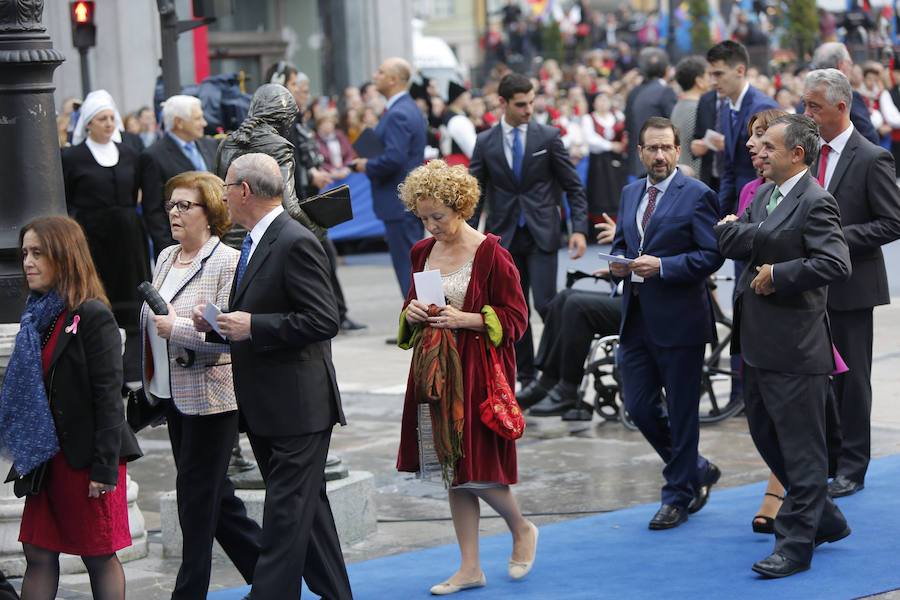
800	131
836	86
178	106
262	174
302	78
829	55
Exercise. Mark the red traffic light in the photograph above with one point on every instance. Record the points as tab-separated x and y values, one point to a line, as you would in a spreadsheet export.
83	11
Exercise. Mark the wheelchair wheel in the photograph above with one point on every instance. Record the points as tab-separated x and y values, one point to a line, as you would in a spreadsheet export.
717	402
601	375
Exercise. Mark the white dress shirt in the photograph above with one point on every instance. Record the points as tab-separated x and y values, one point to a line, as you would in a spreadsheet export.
508	139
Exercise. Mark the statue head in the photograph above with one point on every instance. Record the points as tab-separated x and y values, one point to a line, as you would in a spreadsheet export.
274	105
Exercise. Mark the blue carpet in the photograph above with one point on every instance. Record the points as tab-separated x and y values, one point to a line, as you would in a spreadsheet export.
614	555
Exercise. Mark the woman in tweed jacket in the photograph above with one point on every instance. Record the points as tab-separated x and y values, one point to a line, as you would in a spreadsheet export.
193	378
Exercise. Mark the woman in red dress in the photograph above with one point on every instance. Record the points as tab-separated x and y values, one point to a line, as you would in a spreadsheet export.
484	304
62	415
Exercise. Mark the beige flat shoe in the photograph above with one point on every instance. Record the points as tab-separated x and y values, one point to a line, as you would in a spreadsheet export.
442	589
518	570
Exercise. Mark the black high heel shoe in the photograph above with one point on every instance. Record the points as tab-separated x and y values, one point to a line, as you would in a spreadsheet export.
768	524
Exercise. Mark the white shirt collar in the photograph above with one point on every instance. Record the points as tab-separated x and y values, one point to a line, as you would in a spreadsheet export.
393	99
663	185
259	230
736	106
840	140
507	128
786	187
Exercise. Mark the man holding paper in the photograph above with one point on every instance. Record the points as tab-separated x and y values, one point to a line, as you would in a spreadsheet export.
401	131
666	225
282	318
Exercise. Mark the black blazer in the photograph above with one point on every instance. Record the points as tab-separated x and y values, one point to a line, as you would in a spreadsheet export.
787	331
161	161
546	168
865	188
283	375
706	119
84	386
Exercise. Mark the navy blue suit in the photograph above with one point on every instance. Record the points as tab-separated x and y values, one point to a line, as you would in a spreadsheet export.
666	321
737	168
401	131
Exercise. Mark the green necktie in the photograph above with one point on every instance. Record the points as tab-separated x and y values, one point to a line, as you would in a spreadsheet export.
773	201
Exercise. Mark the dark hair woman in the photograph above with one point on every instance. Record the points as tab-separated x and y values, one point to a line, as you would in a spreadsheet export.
61	413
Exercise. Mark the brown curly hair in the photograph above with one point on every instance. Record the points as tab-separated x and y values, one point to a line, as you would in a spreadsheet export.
451	186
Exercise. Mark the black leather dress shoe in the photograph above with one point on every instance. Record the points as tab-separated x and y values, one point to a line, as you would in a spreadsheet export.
833	537
841	486
778	565
349	324
531	394
668	516
701	494
554	404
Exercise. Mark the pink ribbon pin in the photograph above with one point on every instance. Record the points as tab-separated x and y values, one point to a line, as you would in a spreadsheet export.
73	328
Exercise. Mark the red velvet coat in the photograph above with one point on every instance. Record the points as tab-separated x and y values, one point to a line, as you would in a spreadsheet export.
494	283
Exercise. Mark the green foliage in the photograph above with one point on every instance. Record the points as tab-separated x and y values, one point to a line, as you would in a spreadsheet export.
700	34
802	26
552	42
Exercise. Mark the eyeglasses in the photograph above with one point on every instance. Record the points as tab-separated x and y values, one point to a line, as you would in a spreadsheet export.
654	149
183	205
225	186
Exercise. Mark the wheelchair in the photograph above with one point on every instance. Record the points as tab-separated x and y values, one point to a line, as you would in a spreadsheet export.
602	377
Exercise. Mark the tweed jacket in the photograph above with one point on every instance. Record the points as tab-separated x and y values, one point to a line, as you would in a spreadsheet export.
205	387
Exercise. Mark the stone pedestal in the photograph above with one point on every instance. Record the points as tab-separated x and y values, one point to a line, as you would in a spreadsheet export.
352	500
12	560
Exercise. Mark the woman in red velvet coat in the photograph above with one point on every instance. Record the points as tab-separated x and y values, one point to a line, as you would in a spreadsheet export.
484	302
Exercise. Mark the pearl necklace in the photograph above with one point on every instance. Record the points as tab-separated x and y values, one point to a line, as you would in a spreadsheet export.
181	262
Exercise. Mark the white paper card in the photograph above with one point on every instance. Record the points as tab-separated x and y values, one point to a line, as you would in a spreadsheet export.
428	287
616	259
635	278
710	136
210	313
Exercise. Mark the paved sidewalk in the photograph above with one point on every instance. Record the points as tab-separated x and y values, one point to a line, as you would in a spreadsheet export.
565	469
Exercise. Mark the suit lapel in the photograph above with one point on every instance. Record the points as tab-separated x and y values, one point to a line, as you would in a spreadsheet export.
532	140
630	225
667	201
184	163
498	145
260	254
844	160
787	206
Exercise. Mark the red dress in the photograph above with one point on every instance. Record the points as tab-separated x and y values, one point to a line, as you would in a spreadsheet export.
494	282
61	517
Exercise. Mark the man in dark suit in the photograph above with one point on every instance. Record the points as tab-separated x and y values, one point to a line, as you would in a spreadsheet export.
402	133
791	241
665	227
728	62
708	115
181	148
834	55
860	176
653	98
521	167
282	318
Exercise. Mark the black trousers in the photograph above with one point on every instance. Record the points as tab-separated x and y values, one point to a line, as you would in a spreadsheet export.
786	414
207	506
851	332
299	536
537	274
573	318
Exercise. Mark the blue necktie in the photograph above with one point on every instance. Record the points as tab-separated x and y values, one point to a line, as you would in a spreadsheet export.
194	155
242	262
518	154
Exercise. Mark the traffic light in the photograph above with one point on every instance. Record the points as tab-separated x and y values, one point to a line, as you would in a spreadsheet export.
84	32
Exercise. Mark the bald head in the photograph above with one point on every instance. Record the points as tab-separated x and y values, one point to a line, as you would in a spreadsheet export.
392	77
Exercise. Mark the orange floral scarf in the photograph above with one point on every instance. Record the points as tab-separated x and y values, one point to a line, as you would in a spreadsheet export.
437	372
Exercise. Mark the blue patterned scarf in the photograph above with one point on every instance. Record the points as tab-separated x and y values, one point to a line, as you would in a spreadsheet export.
27	432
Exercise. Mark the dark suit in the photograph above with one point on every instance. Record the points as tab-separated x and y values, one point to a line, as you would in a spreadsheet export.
157	164
653	98
288	400
737	168
666	321
785	342
863	183
546	168
402	133
706	119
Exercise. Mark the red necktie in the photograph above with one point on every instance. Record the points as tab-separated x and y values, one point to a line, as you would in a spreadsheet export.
823	164
651	205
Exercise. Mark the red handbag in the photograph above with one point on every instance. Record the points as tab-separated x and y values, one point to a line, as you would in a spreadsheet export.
500	411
